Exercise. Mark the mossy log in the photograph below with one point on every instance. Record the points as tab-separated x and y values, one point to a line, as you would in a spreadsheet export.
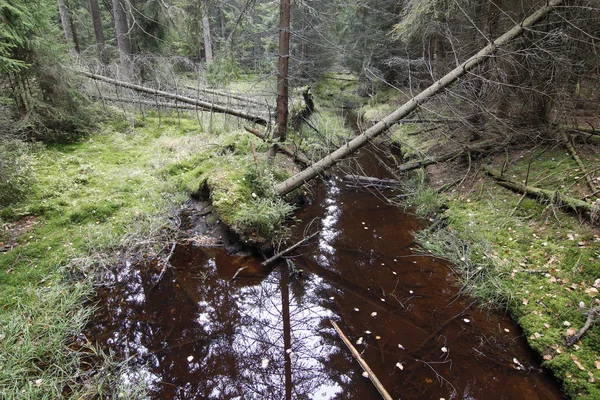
302	115
587	210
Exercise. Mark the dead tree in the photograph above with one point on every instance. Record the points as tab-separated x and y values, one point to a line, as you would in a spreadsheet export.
408	107
122	32
188	100
591	211
65	21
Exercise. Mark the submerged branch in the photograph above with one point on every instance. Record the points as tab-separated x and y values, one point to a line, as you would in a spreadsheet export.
288	250
362	362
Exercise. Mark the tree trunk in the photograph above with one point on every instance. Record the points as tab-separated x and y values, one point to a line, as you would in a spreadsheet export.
65	21
206	30
76	42
408	107
122	32
282	75
587	210
98	31
188	100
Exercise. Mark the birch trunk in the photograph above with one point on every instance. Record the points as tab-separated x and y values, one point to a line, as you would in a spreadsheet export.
408	107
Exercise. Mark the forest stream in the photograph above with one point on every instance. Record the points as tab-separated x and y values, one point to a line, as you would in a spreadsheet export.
199	334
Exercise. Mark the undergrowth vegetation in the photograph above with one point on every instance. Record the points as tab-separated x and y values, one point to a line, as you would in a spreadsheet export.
83	205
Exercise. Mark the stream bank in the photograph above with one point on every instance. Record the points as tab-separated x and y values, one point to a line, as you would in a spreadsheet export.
199	333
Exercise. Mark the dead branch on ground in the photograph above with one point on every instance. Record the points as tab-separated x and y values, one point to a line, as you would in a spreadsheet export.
591	316
580	163
298	157
288	250
589	211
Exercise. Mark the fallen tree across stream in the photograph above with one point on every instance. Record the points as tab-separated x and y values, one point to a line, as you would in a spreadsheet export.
588	210
333	158
199	103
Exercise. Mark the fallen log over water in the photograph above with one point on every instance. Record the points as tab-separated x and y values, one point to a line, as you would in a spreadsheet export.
439	86
201	104
369	181
588	210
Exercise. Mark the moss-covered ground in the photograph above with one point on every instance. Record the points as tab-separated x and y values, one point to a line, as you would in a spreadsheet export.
88	202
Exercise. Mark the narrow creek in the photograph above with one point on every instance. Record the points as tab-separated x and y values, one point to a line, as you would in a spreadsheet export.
198	334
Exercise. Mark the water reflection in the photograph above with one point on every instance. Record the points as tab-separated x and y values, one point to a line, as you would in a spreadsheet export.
198	334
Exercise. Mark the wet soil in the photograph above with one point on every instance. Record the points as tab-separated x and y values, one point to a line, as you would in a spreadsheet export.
199	334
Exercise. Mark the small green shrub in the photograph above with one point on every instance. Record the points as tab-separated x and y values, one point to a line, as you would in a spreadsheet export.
425	200
263	218
16	174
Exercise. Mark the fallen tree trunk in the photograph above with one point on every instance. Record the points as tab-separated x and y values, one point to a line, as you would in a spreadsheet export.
408	107
226	94
590	211
201	104
298	157
580	163
149	103
472	148
368	181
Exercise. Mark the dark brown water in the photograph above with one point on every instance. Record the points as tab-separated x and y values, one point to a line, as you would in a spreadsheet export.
267	334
